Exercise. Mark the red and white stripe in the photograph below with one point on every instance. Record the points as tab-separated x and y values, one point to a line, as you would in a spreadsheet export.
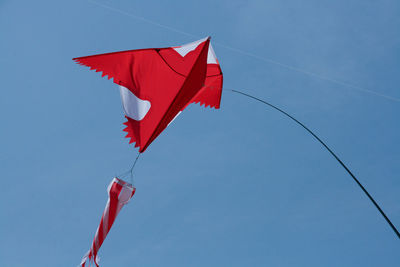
119	193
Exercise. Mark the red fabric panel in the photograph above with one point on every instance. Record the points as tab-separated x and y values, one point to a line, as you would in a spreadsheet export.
189	89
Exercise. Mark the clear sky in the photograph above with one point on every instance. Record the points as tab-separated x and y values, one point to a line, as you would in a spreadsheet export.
239	186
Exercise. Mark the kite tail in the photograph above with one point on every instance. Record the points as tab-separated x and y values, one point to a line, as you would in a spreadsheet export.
89	258
331	152
119	194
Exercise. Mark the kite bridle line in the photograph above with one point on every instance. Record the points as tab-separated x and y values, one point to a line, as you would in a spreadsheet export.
327	148
133	166
130	172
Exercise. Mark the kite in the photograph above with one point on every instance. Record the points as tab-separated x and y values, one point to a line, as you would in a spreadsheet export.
156	85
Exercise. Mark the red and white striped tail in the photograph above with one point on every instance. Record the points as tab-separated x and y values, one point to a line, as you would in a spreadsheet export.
119	194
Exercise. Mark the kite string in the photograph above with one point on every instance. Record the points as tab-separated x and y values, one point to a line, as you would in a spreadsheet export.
133	166
330	151
249	54
130	171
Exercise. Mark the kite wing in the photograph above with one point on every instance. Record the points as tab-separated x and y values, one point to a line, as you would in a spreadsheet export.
156	84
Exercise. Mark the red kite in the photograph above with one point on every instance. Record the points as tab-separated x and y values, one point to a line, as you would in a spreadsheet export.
156	84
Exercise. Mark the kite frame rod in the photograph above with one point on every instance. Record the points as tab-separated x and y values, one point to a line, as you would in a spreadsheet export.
330	151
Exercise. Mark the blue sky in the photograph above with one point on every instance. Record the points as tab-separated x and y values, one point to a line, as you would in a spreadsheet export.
241	186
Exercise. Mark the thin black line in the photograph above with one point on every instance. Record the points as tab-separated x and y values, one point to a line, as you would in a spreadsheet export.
158	52
330	151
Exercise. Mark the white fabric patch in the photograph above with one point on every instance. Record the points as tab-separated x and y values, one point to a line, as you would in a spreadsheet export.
125	195
134	107
185	49
211	57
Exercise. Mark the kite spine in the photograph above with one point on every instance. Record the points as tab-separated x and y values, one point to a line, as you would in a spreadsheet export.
331	152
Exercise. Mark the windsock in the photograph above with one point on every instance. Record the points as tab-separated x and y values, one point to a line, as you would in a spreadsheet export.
119	194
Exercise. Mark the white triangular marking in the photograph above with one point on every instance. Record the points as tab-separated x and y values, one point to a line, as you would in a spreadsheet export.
185	49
